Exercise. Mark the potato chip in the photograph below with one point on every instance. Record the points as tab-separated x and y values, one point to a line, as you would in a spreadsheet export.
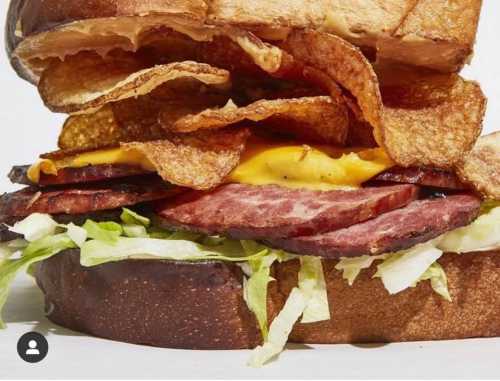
321	119
85	82
426	119
346	65
481	166
201	160
433	121
136	119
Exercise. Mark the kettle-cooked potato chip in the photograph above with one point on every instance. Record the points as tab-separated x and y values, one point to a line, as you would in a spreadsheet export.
481	167
426	119
345	64
136	119
320	119
201	160
87	81
426	124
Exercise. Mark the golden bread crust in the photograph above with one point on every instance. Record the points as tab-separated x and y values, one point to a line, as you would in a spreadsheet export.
415	32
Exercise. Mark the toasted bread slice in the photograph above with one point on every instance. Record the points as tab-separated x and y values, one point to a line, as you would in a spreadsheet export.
427	33
201	306
436	34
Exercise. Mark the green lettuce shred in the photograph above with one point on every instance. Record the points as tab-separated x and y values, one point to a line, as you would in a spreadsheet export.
36	251
404	269
351	267
96	252
135	231
35	226
256	285
280	329
482	234
312	283
108	232
129	217
439	282
308	299
255	289
77	234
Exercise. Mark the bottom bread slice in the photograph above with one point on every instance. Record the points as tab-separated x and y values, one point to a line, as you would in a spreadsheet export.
200	305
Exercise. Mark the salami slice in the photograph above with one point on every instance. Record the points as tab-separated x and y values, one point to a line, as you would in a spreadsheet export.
399	229
258	212
90	173
422	176
84	199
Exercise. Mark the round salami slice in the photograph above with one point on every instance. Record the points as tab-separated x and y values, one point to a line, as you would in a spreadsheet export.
400	229
84	199
87	174
259	212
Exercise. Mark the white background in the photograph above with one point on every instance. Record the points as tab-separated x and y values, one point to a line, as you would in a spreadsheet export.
29	129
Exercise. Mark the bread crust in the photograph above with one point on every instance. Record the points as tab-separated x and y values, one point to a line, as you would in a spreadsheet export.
409	31
200	305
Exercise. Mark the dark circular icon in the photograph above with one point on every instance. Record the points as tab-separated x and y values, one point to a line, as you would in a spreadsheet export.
32	347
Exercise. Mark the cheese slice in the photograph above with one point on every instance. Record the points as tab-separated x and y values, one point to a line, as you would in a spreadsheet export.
288	165
302	166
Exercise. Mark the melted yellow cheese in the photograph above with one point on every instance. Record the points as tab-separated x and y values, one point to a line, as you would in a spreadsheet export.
319	168
288	165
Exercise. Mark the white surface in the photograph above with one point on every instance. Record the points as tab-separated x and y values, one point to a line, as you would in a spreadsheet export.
29	129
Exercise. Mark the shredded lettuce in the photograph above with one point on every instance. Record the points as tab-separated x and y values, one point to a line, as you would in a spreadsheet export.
351	267
402	270
103	231
135	231
255	288
439	281
280	329
36	251
482	234
313	285
97	252
35	226
129	217
77	234
308	300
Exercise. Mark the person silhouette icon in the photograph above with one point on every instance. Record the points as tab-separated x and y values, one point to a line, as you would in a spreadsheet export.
32	350
32	347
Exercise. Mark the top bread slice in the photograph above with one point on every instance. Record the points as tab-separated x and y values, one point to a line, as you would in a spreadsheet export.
437	34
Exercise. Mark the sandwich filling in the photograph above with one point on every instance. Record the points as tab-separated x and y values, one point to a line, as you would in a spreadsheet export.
201	142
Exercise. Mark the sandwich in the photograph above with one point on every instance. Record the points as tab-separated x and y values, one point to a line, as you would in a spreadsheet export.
243	174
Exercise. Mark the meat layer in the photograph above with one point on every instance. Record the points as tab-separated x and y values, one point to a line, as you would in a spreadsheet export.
91	173
260	212
422	176
399	229
83	199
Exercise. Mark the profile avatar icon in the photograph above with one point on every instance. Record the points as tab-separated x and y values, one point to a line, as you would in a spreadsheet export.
32	350
32	347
